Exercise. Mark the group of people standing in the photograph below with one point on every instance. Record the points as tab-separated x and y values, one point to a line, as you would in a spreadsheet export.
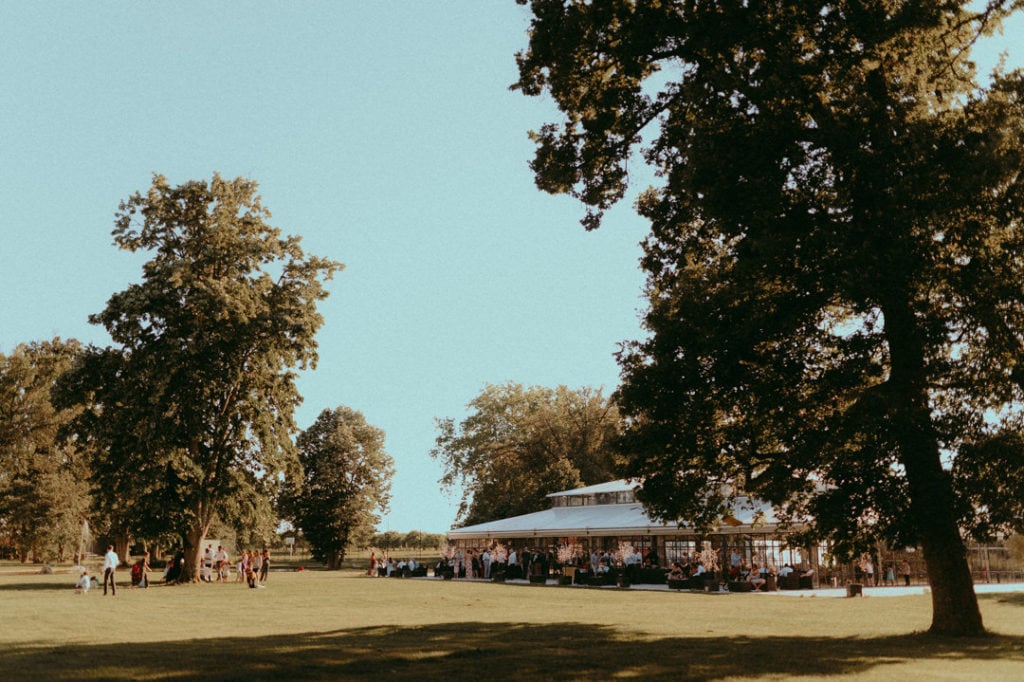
252	566
515	564
476	563
864	571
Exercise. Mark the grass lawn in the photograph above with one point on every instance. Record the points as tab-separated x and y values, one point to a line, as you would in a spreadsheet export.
342	625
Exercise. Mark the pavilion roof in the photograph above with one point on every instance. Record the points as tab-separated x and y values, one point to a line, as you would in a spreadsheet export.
623	485
749	515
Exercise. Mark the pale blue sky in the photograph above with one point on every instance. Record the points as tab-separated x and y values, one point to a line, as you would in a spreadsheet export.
382	133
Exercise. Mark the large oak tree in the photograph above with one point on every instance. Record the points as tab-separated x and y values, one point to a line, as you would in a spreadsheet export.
835	261
192	411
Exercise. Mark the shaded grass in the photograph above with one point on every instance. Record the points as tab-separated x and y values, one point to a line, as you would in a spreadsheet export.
520	650
320	625
1012	598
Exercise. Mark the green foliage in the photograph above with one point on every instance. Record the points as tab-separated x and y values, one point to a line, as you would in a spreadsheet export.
191	414
44	494
520	444
417	539
345	480
387	539
835	264
989	472
413	540
1015	543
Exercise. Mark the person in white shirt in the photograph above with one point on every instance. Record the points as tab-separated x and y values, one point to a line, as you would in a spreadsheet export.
110	562
631	563
220	560
206	572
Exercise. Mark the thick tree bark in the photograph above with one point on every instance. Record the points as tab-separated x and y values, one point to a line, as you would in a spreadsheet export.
122	545
194	544
954	604
193	551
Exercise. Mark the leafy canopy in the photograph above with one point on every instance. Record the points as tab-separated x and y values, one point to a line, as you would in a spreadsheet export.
520	444
44	495
835	258
193	409
345	479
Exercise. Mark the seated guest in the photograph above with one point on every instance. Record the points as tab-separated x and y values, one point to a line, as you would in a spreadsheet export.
676	573
755	578
786	570
175	567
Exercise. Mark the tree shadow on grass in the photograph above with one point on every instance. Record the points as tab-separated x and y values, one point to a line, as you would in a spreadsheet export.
494	651
1011	598
68	585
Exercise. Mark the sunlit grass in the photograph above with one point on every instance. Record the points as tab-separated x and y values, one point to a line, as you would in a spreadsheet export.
322	625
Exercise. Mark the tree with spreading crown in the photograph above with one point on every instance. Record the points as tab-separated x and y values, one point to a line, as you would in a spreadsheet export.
191	413
835	269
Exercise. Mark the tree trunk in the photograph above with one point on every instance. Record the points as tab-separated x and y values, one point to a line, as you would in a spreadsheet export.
122	545
193	553
194	539
954	604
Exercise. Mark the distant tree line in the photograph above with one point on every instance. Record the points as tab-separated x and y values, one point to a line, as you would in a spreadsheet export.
418	540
